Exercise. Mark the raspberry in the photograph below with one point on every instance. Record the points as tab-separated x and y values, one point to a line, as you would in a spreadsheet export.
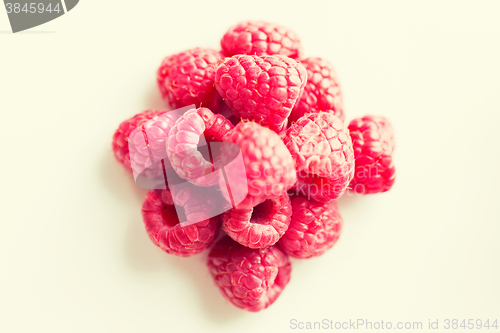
121	135
263	89
322	91
251	279
322	150
373	142
163	227
148	147
182	148
261	226
187	77
260	38
315	227
269	168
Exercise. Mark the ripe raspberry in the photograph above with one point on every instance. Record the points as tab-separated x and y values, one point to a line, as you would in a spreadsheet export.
322	150
260	38
251	279
315	228
269	169
263	89
148	147
261	226
163	227
182	148
373	142
322	91
187	77
121	135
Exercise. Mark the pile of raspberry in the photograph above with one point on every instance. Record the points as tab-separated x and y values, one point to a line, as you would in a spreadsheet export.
285	113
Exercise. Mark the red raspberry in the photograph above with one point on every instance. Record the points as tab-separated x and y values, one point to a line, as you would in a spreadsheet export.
148	147
182	148
260	38
263	89
261	226
251	279
188	78
322	150
163	227
121	136
373	142
269	169
315	228
322	91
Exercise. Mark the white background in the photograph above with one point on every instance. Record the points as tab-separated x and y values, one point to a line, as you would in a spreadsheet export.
74	256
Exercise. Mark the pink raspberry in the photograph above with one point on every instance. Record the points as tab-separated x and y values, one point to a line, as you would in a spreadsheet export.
187	77
322	91
260	38
163	227
373	142
182	148
263	89
121	135
315	228
322	150
269	168
261	226
148	149
251	279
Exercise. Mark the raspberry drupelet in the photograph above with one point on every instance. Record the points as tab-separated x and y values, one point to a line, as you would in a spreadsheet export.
164	229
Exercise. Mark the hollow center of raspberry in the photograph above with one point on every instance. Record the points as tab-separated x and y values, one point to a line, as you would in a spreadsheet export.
170	216
262	213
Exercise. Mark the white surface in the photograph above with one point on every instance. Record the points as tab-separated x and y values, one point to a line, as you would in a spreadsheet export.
74	256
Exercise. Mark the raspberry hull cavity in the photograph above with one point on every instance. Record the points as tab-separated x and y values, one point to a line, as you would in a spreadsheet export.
163	228
261	226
